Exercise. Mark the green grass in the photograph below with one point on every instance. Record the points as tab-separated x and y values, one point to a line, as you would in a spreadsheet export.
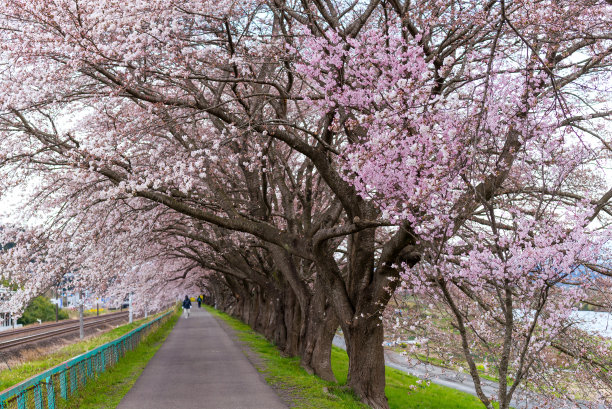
310	392
107	390
28	369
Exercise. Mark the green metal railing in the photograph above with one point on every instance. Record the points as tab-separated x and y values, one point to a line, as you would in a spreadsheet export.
43	390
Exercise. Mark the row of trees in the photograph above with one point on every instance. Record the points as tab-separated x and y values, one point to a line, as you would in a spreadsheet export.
300	160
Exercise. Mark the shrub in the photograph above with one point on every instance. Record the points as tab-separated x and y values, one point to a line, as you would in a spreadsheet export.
40	308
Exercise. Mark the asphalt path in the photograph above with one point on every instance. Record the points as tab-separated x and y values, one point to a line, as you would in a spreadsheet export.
200	366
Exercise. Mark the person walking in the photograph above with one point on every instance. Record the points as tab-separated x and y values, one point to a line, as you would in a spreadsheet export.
186	306
199	301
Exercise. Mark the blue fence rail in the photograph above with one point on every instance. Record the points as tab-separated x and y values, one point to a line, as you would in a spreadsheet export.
43	390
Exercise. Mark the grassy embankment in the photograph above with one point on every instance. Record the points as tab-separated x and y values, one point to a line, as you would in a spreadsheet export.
28	369
309	392
111	386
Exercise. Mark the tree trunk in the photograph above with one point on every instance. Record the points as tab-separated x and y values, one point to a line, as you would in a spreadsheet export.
322	324
268	322
280	329
262	318
254	309
292	318
366	375
316	357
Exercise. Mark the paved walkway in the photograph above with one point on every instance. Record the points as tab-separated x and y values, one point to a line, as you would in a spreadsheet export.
199	366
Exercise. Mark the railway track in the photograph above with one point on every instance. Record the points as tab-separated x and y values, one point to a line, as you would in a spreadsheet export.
54	330
48	325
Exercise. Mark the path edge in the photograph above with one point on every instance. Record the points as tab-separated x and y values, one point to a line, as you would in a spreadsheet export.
256	360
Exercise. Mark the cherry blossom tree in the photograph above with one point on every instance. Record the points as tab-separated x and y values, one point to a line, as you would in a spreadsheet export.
511	299
493	140
351	141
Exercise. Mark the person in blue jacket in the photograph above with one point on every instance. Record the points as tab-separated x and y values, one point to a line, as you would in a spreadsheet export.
186	306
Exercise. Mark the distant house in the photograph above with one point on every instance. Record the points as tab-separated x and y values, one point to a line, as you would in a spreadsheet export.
6	319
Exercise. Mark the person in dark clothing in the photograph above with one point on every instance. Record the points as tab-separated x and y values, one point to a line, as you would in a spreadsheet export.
199	301
186	306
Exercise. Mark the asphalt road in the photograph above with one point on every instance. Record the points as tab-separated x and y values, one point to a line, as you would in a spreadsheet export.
199	366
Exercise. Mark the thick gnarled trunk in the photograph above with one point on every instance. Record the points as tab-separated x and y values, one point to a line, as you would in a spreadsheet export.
359	291
366	375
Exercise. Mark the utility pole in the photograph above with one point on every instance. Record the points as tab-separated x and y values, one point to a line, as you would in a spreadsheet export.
56	305
97	308
131	309
81	329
